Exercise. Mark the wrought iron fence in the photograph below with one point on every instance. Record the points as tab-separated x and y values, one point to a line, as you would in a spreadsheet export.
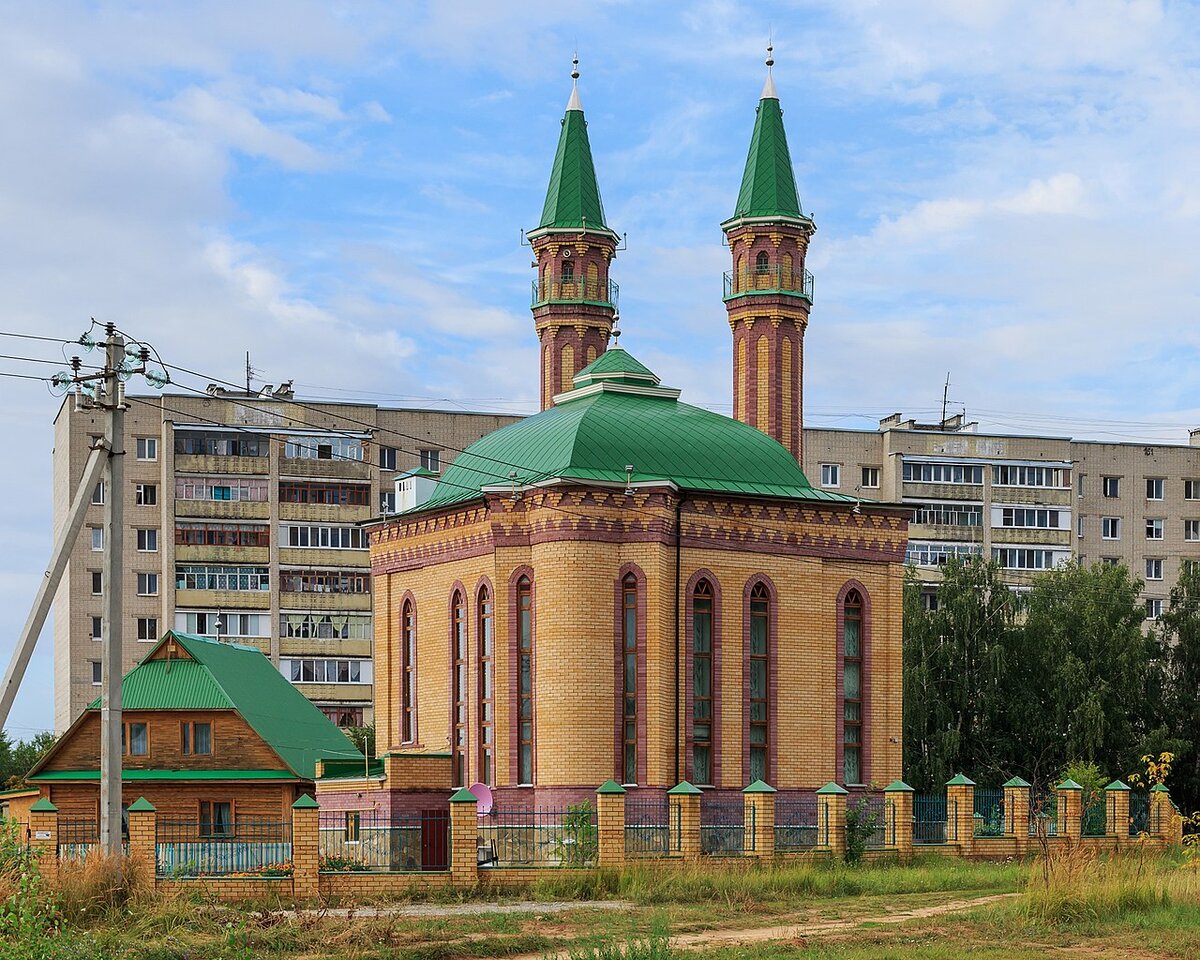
873	811
356	841
723	830
777	278
1043	813
796	824
544	838
1094	817
1139	814
989	812
197	848
77	838
935	819
576	290
652	827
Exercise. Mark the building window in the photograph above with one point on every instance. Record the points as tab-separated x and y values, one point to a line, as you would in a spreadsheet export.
147	448
702	683
408	672
1191	530
213	624
870	478
831	475
387	458
1021	475
147	540
1110	561
97	673
760	682
458	657
1111	486
852	687
98	493
196	738
1079	481
387	501
331	494
1154	488
216	818
147	628
353	824
97	583
145	494
322	537
525	681
214	444
135	739
431	460
324	447
1079	526
1153	608
97	628
1030	517
1110	528
949	514
325	581
487	687
629	671
943	473
193	576
251	489
97	539
1154	569
323	626
325	671
147	584
1027	558
924	553
1154	528
566	271
762	263
200	533
1191	489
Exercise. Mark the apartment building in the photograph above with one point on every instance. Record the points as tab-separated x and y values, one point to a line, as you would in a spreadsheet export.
1029	502
242	515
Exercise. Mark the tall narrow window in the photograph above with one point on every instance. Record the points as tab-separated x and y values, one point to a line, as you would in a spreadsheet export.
458	640
525	680
761	263
408	672
629	660
487	688
702	683
760	612
852	693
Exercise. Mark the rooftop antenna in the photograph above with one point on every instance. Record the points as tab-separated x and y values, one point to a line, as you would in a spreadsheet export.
945	395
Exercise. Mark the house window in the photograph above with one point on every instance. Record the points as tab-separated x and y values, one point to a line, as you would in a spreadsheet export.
458	656
525	681
408	672
216	818
97	539
1110	528
1154	528
870	478
1191	489
97	673
1154	488
147	628
1154	569
145	494
1111	486
387	458
135	739
1153	608
852	687
487	687
97	583
1191	530
350	833
431	460
147	584
831	475
196	738
98	493
629	670
147	541
760	687
97	628
147	448
702	683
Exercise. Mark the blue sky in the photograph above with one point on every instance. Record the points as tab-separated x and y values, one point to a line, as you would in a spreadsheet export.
1004	190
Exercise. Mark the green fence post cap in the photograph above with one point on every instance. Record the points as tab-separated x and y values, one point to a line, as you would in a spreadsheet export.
306	803
141	805
1159	788
759	786
1118	785
832	789
610	787
44	806
684	789
463	795
1017	782
898	786
958	780
1069	784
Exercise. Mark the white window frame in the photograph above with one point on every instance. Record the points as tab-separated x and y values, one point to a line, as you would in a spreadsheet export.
146	449
140	491
831	474
870	474
97	673
1191	489
97	539
144	634
1191	530
1153	608
1115	483
146	536
431	459
98	493
97	628
1154	528
97	580
151	579
1154	568
1155	485
1107	523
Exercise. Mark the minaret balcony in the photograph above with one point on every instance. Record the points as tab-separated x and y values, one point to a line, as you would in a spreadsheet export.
600	293
773	280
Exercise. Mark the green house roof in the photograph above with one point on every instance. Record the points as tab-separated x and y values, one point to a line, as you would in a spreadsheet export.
573	195
230	676
768	182
619	418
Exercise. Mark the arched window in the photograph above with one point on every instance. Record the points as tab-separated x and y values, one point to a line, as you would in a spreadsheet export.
852	687
525	681
458	647
760	681
487	688
702	683
568	271
762	263
408	672
629	661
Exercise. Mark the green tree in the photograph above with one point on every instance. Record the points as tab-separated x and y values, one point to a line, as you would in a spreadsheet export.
1179	632
17	759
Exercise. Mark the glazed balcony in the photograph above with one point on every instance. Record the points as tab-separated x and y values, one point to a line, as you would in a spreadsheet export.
774	280
601	293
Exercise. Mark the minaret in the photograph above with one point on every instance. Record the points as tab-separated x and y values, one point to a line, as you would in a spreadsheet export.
768	294
574	303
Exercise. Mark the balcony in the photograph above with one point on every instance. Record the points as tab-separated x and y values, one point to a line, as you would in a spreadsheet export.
770	280
602	293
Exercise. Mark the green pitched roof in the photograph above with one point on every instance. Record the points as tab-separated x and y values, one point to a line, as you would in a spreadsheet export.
768	183
573	196
617	365
230	676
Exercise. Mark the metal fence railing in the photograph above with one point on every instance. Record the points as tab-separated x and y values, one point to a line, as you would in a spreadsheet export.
194	848
989	812
872	811
652	827
76	838
723	830
1043	813
358	841
935	819
555	838
1094	817
796	824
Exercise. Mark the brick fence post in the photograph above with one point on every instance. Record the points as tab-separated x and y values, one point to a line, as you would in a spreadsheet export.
1016	814
684	807
758	820
1070	809
43	834
1162	812
898	818
610	824
1116	796
464	839
306	852
143	837
831	819
960	813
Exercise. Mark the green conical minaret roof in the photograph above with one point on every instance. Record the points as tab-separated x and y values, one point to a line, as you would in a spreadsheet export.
573	196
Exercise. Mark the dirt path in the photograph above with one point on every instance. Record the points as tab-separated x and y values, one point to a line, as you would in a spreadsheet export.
462	909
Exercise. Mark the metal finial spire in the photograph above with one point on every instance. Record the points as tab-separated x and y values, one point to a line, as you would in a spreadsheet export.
575	103
616	329
768	90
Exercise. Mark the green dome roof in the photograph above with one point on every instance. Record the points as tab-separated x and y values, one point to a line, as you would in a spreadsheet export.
618	416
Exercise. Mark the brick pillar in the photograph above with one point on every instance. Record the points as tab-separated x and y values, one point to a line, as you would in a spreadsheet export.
831	819
43	834
684	800
759	820
1016	814
306	852
610	824
464	839
960	813
898	818
1116	805
1070	809
1162	812
143	836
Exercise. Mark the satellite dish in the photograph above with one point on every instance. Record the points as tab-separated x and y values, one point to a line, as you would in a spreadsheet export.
483	796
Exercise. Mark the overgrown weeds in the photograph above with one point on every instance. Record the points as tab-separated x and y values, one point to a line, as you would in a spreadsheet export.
96	887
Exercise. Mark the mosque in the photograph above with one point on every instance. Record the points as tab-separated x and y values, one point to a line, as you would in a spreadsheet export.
627	587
